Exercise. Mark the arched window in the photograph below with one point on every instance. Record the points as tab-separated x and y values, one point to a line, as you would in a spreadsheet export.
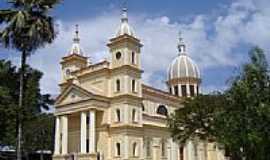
87	145
134	149
162	110
176	90
184	90
143	108
133	57
134	116
163	148
192	92
118	55
181	153
87	119
118	149
148	147
118	115
133	85
118	85
68	72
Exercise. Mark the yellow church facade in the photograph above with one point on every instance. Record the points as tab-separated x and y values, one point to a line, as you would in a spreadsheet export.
106	112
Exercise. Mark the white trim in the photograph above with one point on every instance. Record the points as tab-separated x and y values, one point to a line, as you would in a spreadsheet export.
57	136
64	134
83	132
92	131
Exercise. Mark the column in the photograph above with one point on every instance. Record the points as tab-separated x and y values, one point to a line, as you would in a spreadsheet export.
141	150
126	147
156	153
169	149
64	134
175	149
110	148
180	90
188	89
173	93
190	151
57	136
195	89
83	132
92	131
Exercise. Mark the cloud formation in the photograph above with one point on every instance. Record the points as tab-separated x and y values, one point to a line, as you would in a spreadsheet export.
213	41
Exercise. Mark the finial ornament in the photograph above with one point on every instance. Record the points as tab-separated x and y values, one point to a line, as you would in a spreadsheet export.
181	44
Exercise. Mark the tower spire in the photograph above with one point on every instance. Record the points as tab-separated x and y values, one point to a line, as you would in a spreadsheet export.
76	49
181	44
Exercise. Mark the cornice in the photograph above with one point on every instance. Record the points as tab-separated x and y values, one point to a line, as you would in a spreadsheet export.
147	90
73	57
124	38
183	80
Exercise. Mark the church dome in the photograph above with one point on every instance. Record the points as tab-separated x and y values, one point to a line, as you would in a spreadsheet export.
183	66
124	27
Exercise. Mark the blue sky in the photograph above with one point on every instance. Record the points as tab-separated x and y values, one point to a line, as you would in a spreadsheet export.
218	33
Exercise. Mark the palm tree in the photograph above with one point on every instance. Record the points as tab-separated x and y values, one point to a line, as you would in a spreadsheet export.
26	26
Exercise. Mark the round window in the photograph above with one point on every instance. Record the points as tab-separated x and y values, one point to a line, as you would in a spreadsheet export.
68	72
162	110
118	55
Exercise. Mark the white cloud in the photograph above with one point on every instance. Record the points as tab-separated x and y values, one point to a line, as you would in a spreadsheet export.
211	41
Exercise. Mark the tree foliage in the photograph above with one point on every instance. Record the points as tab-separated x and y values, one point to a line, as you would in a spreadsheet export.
238	119
26	26
32	115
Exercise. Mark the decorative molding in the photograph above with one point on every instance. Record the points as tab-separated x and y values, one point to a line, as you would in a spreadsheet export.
176	81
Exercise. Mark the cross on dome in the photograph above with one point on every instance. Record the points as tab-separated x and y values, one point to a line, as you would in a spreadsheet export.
181	44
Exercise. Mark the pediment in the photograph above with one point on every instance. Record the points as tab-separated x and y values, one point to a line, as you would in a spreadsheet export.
72	94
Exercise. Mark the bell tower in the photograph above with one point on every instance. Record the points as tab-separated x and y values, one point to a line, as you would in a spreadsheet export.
74	60
125	51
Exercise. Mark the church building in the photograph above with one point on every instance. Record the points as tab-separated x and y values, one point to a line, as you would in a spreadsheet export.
106	112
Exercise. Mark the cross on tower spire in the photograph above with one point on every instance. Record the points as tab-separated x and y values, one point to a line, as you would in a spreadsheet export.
124	11
76	38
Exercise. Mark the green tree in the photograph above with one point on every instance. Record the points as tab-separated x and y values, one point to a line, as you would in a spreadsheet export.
27	27
31	115
238	120
8	85
39	134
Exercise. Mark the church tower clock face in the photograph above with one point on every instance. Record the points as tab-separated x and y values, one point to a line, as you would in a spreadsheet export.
68	72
